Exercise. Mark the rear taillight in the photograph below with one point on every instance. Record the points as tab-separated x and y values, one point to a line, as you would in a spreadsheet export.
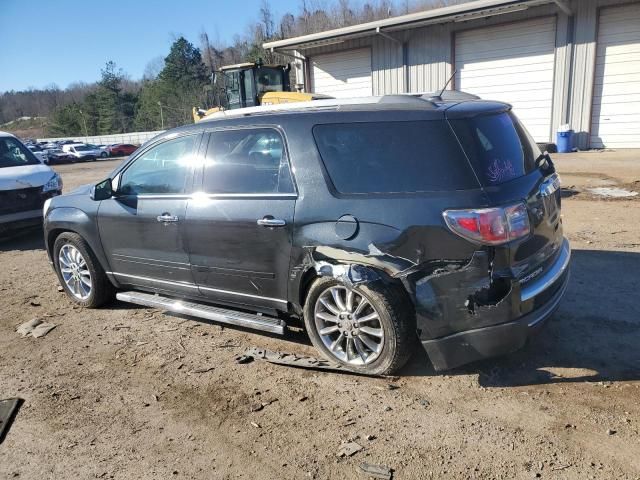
491	226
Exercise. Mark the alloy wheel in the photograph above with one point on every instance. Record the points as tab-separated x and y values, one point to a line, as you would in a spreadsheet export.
349	325
75	271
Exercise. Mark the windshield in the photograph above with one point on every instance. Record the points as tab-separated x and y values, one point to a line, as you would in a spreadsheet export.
14	154
81	148
269	80
498	147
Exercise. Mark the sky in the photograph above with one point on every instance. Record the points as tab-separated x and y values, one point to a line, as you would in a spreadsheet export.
44	42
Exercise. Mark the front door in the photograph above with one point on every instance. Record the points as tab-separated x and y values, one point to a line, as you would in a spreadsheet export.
142	227
240	223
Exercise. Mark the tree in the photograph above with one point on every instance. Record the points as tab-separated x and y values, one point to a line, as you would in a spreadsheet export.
180	86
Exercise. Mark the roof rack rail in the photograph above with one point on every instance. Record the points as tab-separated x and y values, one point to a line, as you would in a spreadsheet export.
423	99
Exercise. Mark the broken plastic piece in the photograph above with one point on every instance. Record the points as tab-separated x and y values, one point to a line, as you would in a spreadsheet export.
349	449
376	471
289	359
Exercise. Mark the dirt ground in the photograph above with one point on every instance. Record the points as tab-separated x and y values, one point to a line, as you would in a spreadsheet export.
116	393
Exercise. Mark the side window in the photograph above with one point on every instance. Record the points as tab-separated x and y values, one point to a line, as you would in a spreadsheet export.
162	169
247	161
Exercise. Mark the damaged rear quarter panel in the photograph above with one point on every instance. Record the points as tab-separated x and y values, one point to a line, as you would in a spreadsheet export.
400	238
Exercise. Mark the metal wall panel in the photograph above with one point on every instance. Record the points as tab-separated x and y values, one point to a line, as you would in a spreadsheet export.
342	74
615	113
512	63
426	62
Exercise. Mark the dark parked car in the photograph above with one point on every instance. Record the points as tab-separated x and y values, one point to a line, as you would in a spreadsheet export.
121	149
369	223
58	156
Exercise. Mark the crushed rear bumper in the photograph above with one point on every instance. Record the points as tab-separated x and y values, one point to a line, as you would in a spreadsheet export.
468	346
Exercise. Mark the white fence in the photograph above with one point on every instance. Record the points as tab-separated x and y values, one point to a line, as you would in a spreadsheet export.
137	138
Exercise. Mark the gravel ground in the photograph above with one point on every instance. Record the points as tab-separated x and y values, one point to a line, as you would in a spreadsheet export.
126	392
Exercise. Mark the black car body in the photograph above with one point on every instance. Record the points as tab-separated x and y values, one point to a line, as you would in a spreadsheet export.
443	213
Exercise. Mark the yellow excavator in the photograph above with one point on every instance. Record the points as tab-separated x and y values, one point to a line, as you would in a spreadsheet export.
253	84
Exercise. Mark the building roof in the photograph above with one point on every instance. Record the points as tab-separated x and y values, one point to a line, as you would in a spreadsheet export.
455	13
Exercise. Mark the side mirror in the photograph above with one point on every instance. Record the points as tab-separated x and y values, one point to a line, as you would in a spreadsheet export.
102	190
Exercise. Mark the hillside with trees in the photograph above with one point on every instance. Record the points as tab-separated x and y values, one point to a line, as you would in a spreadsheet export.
170	87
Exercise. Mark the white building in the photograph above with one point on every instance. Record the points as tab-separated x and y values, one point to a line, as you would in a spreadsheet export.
557	62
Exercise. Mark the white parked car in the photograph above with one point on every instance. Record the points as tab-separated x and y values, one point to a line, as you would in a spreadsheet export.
101	148
81	151
25	184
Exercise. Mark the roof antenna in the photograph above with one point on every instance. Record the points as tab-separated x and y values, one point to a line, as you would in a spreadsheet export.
438	97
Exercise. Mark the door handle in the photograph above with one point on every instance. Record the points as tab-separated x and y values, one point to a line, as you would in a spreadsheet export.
269	221
167	218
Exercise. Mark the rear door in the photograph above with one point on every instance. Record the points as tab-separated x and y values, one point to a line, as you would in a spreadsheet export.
240	224
142	226
504	157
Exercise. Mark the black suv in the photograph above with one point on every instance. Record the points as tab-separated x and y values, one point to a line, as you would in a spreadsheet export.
372	222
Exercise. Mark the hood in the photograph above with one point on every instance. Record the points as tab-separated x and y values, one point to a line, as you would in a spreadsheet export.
81	190
27	176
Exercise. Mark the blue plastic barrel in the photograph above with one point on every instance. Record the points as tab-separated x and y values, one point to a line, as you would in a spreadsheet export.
565	141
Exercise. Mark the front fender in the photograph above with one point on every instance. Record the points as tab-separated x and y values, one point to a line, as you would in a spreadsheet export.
70	219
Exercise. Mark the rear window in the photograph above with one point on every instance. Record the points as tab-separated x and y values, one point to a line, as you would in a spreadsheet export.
393	157
498	146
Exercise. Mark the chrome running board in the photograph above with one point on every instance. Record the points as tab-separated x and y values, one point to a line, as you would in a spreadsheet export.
208	312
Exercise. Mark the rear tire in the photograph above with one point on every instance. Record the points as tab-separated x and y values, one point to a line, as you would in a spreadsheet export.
79	271
377	340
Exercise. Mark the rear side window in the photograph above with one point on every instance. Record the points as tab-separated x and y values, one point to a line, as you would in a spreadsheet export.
393	157
247	161
498	146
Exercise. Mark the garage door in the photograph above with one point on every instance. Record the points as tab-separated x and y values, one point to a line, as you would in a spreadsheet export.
343	74
615	116
513	63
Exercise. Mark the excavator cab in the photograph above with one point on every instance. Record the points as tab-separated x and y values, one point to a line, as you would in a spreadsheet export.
253	84
245	84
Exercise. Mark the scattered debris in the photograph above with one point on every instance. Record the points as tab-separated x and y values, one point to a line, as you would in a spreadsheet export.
303	398
613	192
255	425
371	437
8	411
27	327
424	402
35	327
34	303
349	421
376	471
60	289
290	359
42	329
349	449
611	432
201	370
242	359
561	467
387	408
256	407
388	386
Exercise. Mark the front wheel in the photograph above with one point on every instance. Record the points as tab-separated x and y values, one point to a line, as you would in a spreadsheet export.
80	273
103	155
368	328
